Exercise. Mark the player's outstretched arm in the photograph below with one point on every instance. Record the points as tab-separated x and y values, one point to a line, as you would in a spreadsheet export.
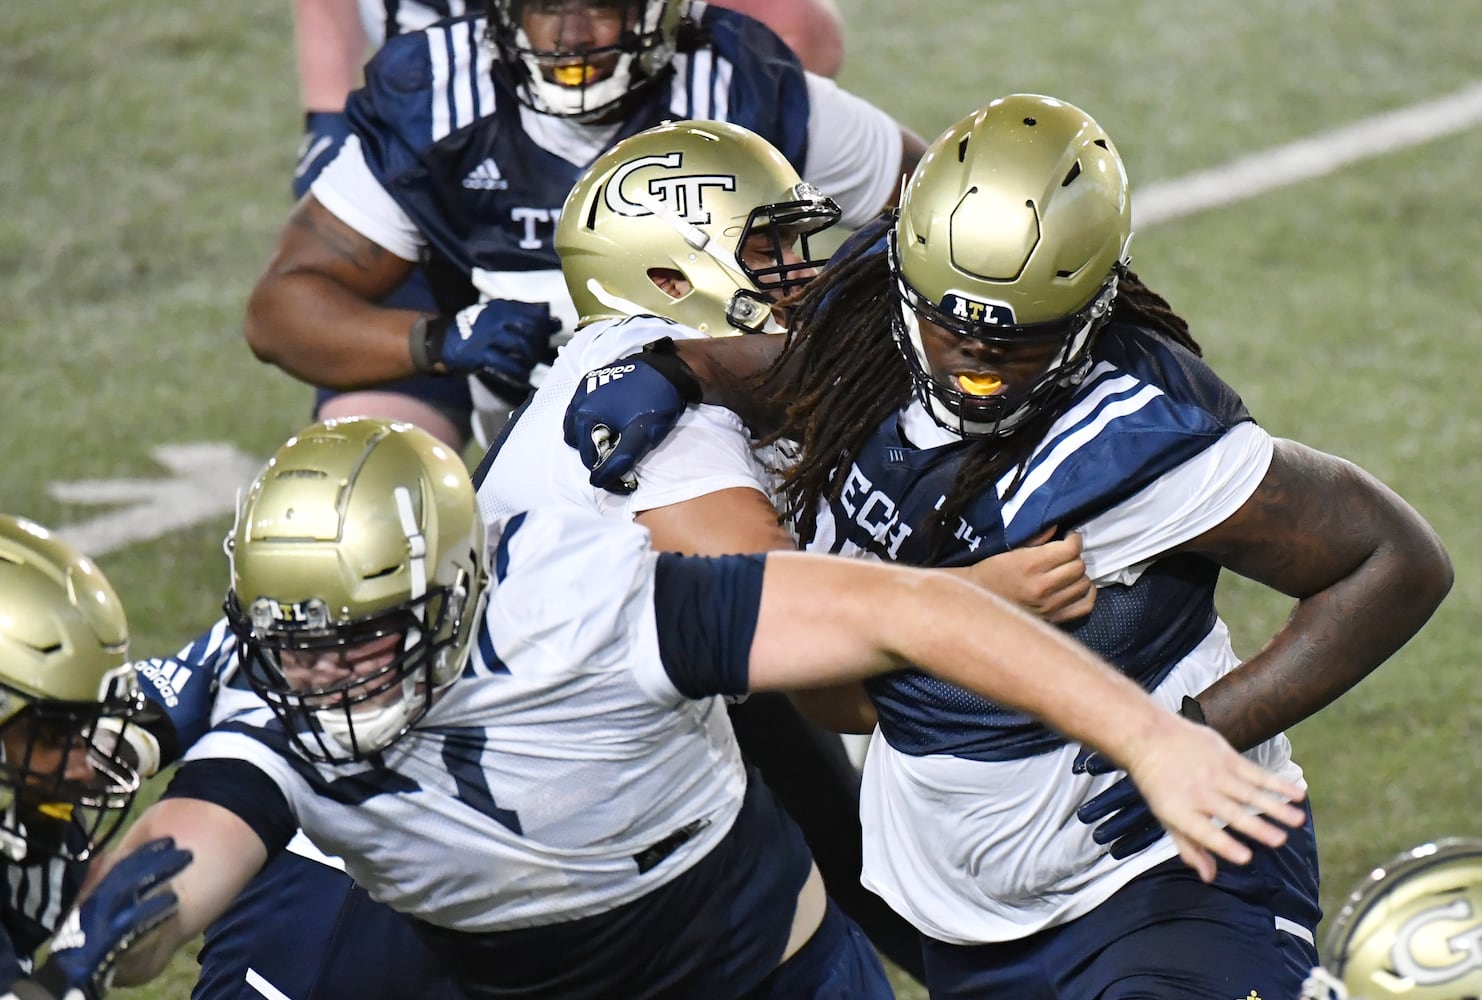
227	854
824	620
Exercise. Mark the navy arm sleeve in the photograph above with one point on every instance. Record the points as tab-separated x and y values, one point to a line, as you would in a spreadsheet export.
706	609
241	789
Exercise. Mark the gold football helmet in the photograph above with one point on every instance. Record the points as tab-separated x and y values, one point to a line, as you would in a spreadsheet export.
358	577
1412	929
577	87
1013	230
65	685
690	197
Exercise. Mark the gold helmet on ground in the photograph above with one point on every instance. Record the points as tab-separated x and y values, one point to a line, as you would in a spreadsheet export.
708	202
359	535
1412	929
1013	230
65	685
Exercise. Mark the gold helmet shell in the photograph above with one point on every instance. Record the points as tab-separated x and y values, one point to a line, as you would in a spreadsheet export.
357	529
686	197
1412	928
1013	229
63	671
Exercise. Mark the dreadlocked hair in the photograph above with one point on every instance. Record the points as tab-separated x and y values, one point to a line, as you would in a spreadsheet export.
837	378
1140	305
841	375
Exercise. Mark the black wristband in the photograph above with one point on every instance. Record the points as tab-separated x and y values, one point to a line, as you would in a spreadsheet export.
1192	710
425	339
663	358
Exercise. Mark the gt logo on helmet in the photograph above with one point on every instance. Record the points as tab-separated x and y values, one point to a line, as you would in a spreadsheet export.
682	195
976	312
1467	945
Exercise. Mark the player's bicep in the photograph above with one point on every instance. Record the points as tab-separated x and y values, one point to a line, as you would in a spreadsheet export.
814	625
1312	520
316	242
728	521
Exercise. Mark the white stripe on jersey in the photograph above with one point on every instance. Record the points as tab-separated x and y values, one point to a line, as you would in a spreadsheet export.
1065	448
462	85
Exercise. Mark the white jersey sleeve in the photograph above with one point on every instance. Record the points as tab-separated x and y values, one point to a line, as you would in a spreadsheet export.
708	450
854	151
1181	504
351	193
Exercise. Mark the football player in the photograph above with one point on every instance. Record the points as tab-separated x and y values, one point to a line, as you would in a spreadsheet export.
468	136
1411	928
690	230
519	740
68	704
983	370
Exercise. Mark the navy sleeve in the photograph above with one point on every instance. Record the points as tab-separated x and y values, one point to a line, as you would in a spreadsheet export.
183	690
706	609
242	789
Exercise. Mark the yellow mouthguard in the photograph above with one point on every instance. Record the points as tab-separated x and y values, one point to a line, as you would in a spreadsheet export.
55	810
573	76
979	385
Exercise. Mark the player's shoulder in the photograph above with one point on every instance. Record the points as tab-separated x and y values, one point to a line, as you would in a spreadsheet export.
1174	370
422	85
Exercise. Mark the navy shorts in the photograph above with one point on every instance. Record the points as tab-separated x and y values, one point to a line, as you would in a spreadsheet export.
837	963
304	930
1164	936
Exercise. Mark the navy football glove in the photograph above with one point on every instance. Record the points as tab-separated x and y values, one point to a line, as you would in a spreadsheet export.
1126	821
501	341
621	412
129	902
324	133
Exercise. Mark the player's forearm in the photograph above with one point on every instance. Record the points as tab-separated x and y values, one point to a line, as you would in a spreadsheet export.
827	620
317	331
727	368
984	644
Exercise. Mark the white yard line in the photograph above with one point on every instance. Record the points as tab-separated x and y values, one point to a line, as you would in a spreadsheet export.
1307	158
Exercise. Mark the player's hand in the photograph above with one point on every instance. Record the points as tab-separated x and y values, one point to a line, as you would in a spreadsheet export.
1130	825
1045	576
1199	789
324	133
501	339
620	413
127	903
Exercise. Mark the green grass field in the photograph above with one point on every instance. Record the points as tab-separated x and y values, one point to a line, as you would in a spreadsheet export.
148	150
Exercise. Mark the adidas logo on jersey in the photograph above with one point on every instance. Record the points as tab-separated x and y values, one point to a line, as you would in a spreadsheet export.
486	177
602	376
168	677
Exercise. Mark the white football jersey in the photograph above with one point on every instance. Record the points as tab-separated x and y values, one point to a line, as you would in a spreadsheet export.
708	450
537	781
1014	859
